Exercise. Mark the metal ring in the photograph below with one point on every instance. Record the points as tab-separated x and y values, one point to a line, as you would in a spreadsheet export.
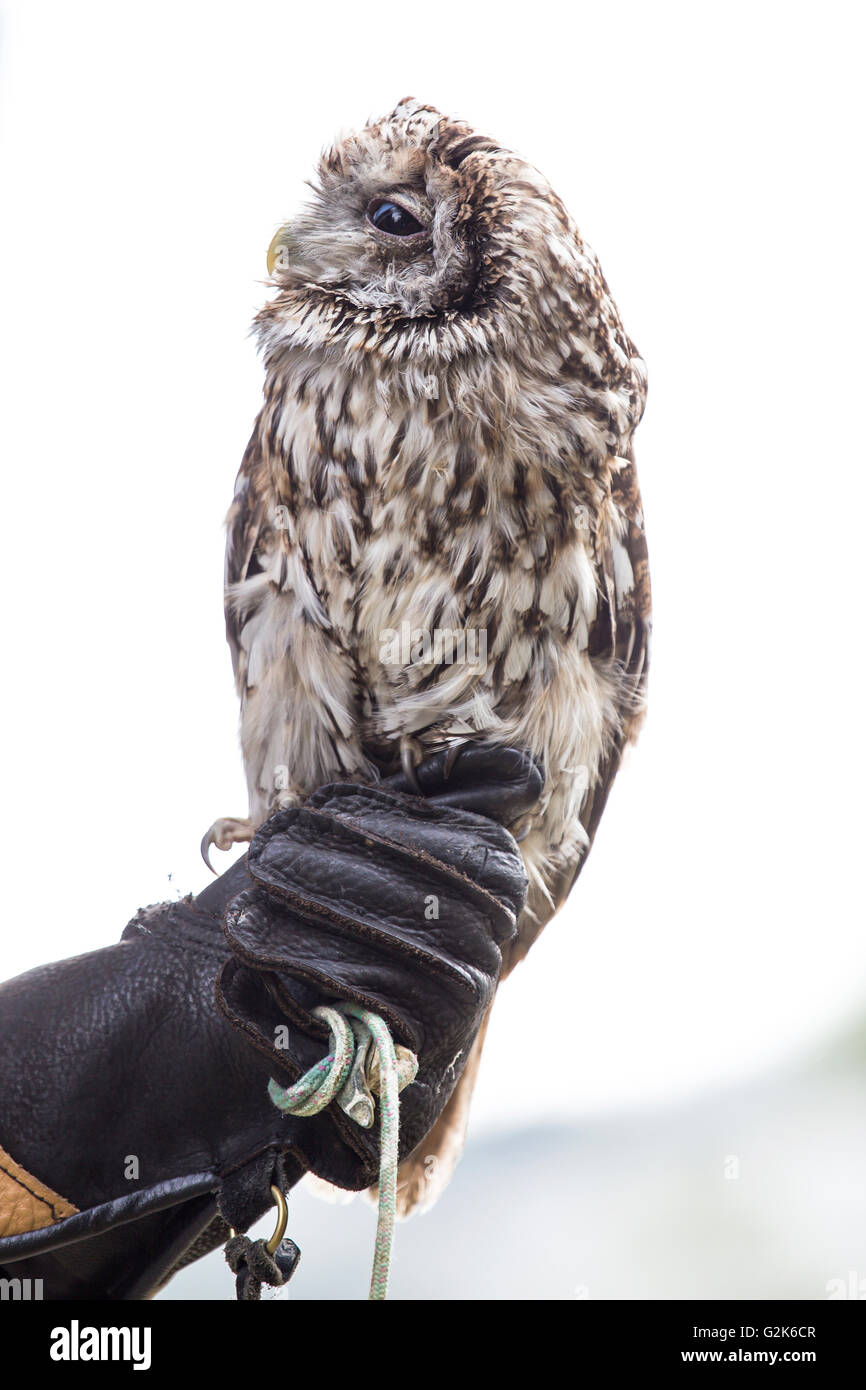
282	1220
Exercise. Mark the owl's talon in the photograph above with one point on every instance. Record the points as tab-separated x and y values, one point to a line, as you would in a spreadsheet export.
224	834
410	755
521	828
450	760
207	841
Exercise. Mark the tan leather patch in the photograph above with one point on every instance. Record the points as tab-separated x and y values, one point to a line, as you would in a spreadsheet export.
26	1204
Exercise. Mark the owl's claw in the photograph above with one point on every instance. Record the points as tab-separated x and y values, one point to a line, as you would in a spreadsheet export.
206	843
411	753
450	760
224	834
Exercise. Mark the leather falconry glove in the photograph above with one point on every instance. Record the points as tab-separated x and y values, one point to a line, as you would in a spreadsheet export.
136	1125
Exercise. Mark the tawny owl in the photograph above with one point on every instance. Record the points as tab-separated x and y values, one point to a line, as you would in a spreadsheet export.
437	533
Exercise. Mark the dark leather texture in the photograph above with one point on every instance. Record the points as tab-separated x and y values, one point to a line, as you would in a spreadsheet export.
122	1054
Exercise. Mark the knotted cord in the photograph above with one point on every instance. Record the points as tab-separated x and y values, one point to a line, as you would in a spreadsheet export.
363	1059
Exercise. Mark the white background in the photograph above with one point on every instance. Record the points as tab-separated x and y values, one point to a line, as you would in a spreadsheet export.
713	158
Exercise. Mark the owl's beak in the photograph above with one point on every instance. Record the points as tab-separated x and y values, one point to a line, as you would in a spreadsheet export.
280	249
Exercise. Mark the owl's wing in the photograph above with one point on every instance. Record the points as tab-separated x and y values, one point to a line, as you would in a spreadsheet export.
248	528
619	641
619	636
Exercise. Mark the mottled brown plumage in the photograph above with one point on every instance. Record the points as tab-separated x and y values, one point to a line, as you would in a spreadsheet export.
445	446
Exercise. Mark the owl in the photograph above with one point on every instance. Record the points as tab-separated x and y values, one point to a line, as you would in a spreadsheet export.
437	535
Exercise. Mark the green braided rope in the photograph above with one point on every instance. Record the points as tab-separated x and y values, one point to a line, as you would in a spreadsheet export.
389	1136
323	1082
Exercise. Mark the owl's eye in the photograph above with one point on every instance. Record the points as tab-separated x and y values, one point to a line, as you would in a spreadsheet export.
391	218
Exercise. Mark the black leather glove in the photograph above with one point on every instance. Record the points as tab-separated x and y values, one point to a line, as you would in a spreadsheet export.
129	1095
394	902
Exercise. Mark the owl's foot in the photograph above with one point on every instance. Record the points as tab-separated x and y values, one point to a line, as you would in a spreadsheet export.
224	834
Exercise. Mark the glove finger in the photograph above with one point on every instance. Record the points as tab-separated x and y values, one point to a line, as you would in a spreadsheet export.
324	868
482	852
265	937
492	780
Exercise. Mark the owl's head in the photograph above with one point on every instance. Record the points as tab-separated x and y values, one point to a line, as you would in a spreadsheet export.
426	241
389	225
